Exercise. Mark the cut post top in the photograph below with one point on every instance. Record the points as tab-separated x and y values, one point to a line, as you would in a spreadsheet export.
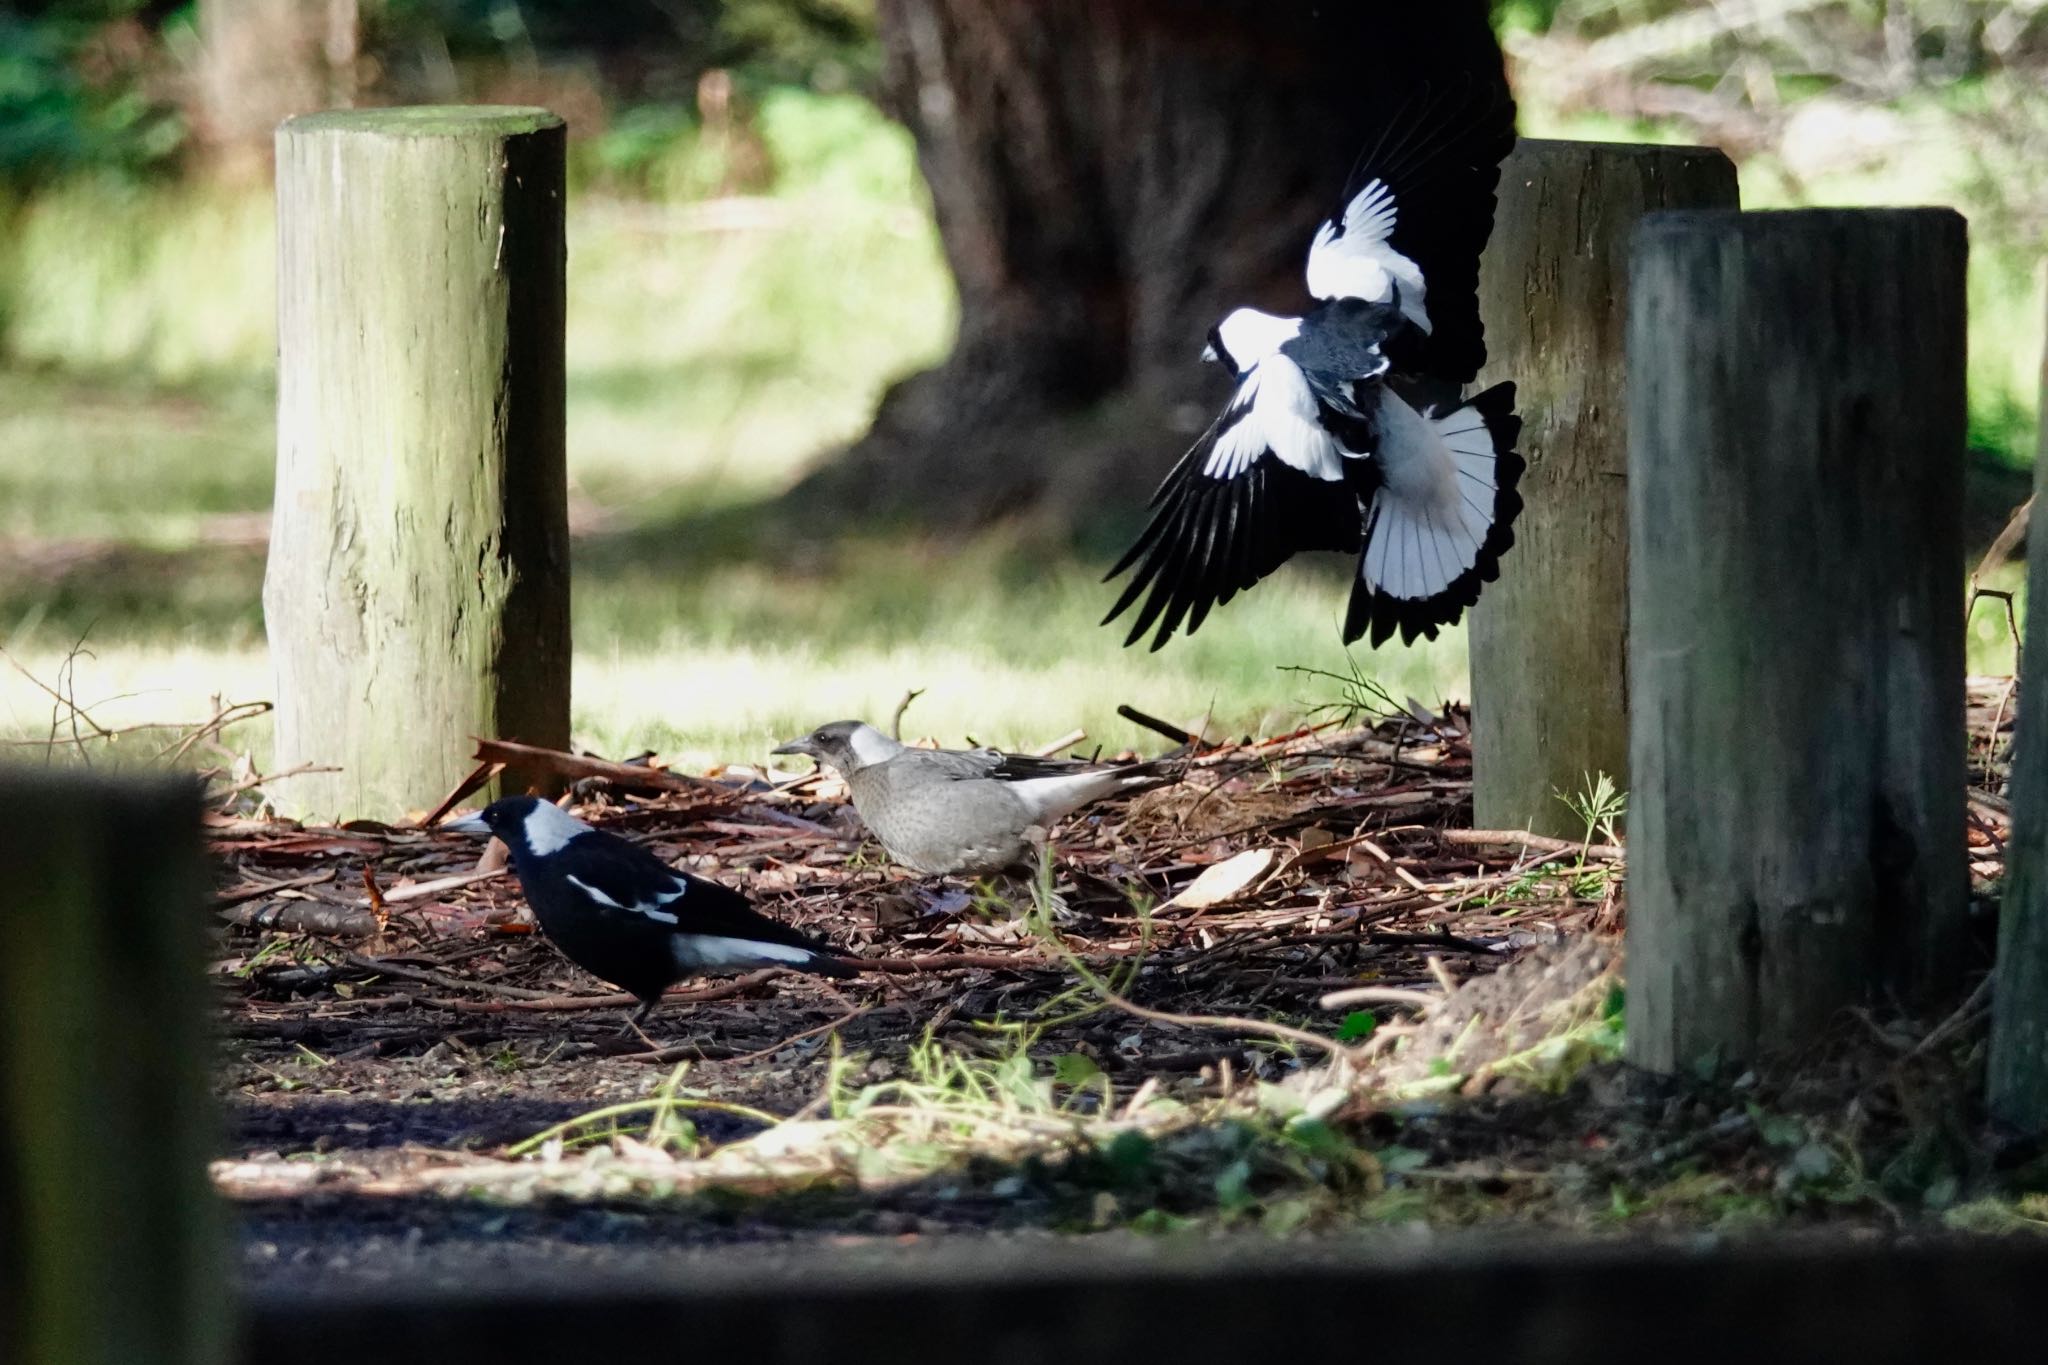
1778	222
429	120
1641	151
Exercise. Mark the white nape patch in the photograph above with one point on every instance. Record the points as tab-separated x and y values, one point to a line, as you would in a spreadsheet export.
602	899
549	827
716	950
870	746
1360	264
1283	419
1250	335
1431	516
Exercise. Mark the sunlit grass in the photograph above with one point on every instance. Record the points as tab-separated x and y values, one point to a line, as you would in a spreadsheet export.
713	357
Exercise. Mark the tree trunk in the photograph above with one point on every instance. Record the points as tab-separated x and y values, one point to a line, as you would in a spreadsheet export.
1109	178
260	62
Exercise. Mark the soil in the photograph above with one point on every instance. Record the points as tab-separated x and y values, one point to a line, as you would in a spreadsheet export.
356	1065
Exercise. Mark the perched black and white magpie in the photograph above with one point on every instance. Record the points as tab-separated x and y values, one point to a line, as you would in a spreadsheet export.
944	812
625	916
1345	431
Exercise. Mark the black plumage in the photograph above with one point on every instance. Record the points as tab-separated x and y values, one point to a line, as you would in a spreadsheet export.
628	918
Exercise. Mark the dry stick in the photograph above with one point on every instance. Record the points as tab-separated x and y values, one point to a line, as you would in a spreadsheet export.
1066	741
546	1003
896	720
442	979
1542	842
1378	995
625	776
1952	1025
478	776
1154	724
237	895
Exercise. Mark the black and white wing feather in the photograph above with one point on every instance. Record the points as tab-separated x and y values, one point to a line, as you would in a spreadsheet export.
1265	481
1416	213
616	878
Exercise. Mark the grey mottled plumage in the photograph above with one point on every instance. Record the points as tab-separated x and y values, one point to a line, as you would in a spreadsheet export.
944	812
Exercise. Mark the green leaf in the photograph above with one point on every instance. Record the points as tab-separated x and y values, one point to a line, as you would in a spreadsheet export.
1357	1024
1401	1160
1075	1069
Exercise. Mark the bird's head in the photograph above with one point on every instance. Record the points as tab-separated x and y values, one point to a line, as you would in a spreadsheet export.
526	825
847	745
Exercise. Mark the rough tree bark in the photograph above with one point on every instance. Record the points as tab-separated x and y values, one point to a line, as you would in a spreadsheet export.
1109	177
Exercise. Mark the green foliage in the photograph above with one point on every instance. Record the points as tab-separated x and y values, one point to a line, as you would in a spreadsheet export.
71	97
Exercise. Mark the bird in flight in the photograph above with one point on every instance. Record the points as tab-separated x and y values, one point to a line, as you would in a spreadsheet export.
1345	431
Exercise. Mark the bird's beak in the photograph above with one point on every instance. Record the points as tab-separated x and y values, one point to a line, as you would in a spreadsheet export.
466	824
1209	353
797	746
1380	367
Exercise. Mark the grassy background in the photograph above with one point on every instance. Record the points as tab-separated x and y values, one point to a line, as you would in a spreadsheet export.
716	349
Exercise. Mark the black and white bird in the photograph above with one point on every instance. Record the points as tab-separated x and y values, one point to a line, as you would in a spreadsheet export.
627	917
961	812
1345	431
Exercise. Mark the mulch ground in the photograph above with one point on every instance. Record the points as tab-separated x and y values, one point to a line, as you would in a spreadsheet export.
386	1009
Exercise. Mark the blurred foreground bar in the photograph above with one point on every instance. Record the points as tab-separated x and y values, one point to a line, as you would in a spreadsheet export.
1114	1300
110	1246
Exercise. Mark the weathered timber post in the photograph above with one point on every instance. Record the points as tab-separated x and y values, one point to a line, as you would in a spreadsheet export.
2019	1015
1796	420
418	588
1549	642
111	1248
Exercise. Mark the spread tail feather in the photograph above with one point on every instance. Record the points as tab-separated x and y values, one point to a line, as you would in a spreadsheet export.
1440	521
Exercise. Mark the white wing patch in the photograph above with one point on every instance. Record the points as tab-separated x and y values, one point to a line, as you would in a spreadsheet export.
1359	264
1432	513
698	951
653	911
1281	417
1251	335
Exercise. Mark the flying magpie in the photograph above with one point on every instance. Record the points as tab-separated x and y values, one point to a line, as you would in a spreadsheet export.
627	917
1344	431
946	812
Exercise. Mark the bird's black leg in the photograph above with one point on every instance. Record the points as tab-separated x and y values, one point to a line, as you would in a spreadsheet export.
639	1017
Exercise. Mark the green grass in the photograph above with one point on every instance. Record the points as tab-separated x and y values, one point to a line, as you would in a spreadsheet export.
715	353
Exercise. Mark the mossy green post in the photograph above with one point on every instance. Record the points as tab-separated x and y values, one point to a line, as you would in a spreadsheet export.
1795	486
111	1239
2019	1016
418	588
1549	641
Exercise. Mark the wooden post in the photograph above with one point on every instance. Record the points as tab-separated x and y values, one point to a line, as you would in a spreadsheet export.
110	1236
1549	642
418	588
1796	639
2019	1016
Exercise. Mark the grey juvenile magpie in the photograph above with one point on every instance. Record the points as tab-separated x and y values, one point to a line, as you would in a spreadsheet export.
1344	431
627	917
945	812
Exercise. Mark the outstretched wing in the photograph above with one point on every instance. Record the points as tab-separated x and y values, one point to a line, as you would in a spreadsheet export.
1268	479
1415	215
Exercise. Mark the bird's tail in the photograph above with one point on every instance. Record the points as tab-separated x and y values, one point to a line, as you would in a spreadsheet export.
1049	798
1442	515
